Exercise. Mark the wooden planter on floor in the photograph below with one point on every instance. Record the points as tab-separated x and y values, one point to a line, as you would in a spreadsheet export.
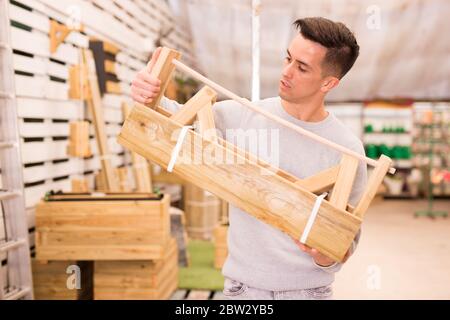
110	227
137	280
50	280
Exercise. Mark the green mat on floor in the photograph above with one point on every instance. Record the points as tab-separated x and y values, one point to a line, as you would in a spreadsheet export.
201	273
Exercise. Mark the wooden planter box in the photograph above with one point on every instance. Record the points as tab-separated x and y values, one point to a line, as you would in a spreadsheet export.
220	246
110	227
137	280
50	280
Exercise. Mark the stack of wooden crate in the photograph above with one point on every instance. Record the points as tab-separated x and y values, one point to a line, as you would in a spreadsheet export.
127	236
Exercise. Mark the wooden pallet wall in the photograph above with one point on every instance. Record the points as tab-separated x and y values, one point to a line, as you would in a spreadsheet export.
43	104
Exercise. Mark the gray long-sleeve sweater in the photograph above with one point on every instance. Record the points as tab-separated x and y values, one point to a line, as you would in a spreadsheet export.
259	255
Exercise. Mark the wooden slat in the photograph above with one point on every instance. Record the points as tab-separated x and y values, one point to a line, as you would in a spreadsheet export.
320	182
188	112
269	198
344	182
375	179
95	107
163	70
206	124
142	174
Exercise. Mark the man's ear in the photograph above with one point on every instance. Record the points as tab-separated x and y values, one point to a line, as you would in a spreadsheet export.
329	83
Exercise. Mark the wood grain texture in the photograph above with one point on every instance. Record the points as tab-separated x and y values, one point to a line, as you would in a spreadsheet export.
102	230
163	70
206	96
344	182
141	168
255	189
138	279
375	180
95	107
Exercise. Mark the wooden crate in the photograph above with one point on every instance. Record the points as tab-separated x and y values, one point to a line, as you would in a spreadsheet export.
137	280
50	280
220	246
202	210
107	227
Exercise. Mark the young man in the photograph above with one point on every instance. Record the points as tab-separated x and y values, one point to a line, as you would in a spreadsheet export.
263	262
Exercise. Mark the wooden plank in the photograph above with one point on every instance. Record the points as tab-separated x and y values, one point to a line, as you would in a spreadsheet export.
321	182
95	107
110	66
163	70
375	180
268	197
102	23
53	170
48	109
137	279
33	152
34	65
344	182
38	43
79	140
207	127
141	168
178	295
187	113
198	295
113	87
46	128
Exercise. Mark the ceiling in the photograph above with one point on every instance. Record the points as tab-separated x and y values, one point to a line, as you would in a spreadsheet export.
404	48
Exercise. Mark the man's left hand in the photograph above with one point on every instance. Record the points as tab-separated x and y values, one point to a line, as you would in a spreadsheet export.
319	258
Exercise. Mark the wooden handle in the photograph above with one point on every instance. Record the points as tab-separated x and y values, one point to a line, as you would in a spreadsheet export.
163	70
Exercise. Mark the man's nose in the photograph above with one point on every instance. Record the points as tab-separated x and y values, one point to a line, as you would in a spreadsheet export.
288	70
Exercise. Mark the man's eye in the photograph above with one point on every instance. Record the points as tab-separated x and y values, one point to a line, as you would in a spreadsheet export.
287	59
301	69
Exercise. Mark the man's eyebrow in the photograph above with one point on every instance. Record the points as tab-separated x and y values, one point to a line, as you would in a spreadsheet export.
299	61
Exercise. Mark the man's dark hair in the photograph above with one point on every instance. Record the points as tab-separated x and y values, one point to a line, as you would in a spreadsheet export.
342	48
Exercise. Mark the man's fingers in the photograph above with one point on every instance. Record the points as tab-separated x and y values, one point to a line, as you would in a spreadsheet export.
144	93
145	76
152	61
139	98
145	86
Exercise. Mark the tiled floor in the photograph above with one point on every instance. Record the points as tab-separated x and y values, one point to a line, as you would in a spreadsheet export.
399	256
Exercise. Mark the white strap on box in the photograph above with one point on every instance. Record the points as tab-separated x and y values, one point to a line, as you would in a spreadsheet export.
177	148
312	217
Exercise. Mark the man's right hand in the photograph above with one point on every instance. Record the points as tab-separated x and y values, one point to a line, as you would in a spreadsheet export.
145	87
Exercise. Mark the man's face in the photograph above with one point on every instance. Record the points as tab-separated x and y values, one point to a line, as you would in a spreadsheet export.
302	76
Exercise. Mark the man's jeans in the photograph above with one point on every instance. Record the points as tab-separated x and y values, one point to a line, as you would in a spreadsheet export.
235	290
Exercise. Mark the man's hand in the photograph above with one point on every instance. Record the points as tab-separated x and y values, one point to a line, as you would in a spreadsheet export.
320	259
144	87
